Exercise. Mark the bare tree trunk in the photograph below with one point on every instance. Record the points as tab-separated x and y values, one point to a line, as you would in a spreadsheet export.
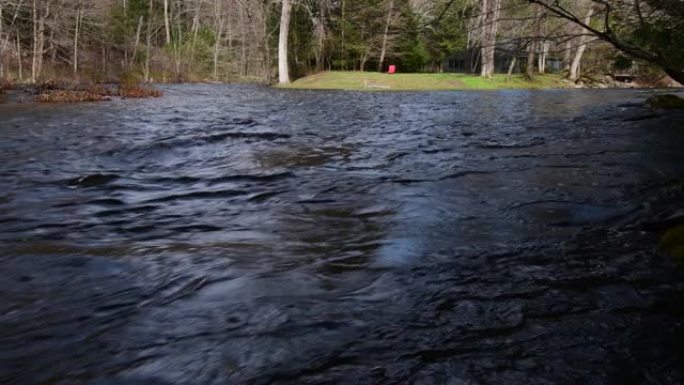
319	33
529	71
484	37
104	62
344	47
218	18
38	18
574	67
384	35
51	39
41	37
540	58
266	52
2	47
195	30
177	58
138	31
243	46
494	29
283	68
542	44
567	55
76	31
533	44
490	18
5	43
34	58
20	63
217	45
167	27
148	43
512	66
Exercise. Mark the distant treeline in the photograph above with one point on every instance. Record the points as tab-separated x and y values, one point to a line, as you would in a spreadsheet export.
237	40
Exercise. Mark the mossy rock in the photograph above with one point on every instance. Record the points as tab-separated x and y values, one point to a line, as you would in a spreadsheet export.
672	243
667	101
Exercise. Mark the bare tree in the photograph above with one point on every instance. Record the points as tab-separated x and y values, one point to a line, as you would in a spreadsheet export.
167	25
490	24
383	51
582	46
283	67
77	27
634	16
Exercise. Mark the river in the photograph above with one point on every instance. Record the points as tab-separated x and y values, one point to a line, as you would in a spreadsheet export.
245	235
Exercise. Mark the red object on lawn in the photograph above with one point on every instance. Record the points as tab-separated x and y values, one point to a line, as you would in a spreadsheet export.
392	69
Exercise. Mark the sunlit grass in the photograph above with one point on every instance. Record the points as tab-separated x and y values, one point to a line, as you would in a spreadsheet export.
374	81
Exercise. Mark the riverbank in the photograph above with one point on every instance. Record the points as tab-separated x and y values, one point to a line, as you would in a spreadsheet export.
375	81
62	92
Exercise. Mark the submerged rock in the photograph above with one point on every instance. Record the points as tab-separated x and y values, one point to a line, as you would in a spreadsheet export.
667	101
672	243
92	180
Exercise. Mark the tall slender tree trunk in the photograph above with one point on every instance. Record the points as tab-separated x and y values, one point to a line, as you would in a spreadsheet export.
218	19
138	31
195	30
344	27
38	18
167	26
490	18
567	55
577	60
267	68
542	44
384	35
148	43
512	66
20	63
104	63
2	47
76	32
217	46
533	45
283	67
4	43
51	39
529	70
41	37
34	57
362	61
484	37
243	46
494	29
177	55
319	33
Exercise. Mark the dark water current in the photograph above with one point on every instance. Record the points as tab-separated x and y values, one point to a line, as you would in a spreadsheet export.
243	235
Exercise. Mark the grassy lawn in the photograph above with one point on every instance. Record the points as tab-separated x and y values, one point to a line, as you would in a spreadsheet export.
371	81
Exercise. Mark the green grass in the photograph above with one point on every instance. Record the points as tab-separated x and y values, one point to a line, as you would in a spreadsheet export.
374	81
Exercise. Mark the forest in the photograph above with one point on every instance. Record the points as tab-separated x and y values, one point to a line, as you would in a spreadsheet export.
243	40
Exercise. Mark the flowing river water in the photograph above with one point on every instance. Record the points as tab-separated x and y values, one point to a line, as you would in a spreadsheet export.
246	235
